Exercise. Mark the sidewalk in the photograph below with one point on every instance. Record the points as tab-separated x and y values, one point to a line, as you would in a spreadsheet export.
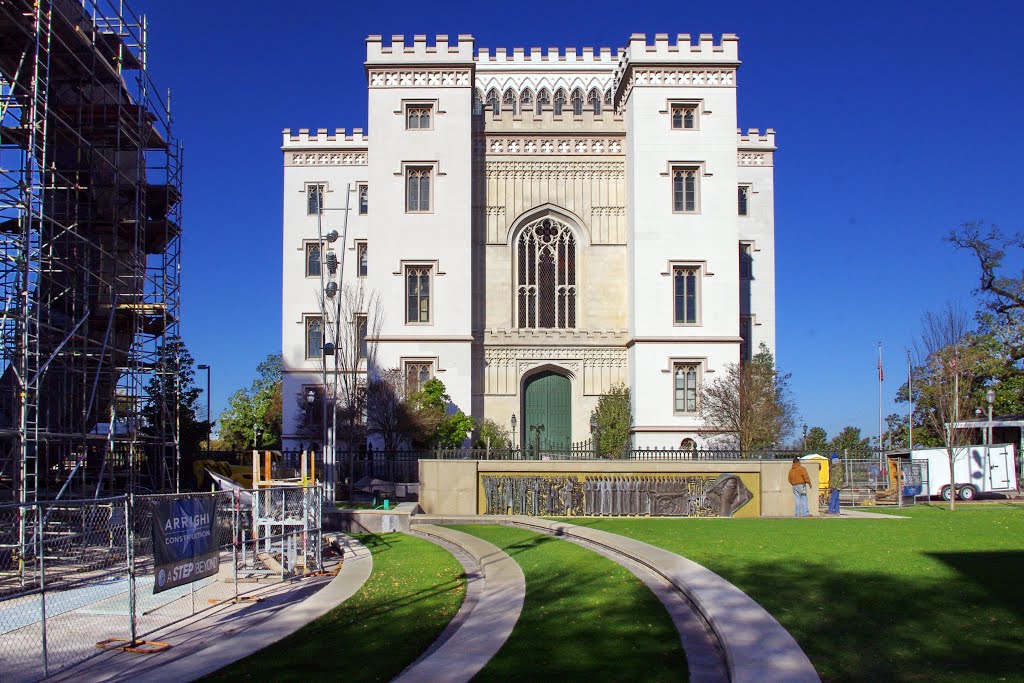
207	642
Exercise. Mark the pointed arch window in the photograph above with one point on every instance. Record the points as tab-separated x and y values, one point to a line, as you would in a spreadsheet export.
559	101
543	99
313	260
546	275
493	102
526	101
685	387
594	100
577	102
608	98
509	101
478	101
314	337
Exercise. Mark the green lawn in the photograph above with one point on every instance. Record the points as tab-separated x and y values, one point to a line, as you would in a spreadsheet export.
938	596
584	617
414	591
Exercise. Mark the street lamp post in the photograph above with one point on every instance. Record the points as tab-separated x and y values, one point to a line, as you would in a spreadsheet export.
805	438
990	396
513	422
595	434
209	425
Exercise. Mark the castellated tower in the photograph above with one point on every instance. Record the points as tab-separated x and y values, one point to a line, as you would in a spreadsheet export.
537	227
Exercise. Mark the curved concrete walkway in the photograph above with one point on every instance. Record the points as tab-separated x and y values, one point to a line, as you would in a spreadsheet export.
474	638
756	647
216	638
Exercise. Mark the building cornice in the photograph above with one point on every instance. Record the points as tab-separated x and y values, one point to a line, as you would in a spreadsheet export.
683	340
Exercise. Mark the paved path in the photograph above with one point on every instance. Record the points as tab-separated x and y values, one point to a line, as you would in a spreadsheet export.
216	638
466	648
757	648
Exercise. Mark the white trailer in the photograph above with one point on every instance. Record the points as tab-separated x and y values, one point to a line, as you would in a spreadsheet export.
977	469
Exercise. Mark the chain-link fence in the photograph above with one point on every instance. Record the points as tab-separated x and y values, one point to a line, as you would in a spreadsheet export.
878	481
79	576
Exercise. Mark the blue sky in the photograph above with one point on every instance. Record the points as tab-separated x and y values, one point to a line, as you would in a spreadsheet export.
895	121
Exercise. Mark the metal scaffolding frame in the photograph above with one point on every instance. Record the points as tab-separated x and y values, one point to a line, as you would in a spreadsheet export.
90	255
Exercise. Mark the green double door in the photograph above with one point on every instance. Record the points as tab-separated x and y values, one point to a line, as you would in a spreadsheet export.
548	402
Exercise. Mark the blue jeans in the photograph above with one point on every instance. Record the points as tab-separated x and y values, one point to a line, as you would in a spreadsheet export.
800	496
833	502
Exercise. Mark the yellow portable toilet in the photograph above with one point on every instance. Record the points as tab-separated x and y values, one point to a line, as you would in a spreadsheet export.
822	477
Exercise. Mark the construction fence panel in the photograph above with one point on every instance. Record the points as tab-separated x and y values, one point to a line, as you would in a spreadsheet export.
884	482
77	575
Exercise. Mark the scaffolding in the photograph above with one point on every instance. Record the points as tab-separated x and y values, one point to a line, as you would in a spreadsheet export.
90	216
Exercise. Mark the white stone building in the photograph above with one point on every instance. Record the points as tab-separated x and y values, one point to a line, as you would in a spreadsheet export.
539	225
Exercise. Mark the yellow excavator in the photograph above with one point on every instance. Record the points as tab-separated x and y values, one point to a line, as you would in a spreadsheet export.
240	474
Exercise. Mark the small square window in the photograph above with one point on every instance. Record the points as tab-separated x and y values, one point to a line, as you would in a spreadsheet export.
314	337
417	373
417	186
743	200
417	294
686	387
746	261
363	195
361	259
686	291
313	262
684	116
685	189
419	116
314	199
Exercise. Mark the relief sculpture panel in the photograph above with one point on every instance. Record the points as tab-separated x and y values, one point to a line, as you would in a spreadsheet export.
619	495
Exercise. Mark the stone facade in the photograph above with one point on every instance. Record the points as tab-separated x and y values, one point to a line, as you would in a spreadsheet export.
570	196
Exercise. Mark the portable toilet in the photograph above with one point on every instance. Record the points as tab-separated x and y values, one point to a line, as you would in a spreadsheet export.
822	477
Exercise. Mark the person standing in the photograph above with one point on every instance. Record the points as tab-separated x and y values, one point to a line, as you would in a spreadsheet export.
801	483
835	483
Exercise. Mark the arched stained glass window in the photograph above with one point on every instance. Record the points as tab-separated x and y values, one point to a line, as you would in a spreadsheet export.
594	100
543	99
509	101
560	100
577	102
546	275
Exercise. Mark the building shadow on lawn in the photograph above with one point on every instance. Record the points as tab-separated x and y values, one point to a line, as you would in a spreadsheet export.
858	626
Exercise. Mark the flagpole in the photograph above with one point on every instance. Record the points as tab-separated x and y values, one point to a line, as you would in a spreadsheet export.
881	378
910	399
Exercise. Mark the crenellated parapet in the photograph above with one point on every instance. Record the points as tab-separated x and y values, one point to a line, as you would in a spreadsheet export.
563	57
679	64
420	50
529	121
325	149
755	148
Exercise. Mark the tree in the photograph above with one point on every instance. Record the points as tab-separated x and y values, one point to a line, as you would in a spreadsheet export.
450	429
393	415
817	441
614	417
259	404
947	364
493	435
750	404
848	440
174	399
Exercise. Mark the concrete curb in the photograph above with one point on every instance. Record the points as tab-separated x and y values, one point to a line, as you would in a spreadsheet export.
487	627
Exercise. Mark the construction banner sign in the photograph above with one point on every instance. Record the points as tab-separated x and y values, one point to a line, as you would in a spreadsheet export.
184	541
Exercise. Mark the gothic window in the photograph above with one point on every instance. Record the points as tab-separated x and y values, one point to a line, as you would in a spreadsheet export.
684	190
577	102
417	185
417	117
608	98
526	101
313	260
743	200
509	101
417	294
745	321
543	99
478	102
417	373
746	261
594	100
560	99
364	199
685	387
687	445
314	337
684	285
493	102
361	259
314	199
361	336
546	279
684	116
